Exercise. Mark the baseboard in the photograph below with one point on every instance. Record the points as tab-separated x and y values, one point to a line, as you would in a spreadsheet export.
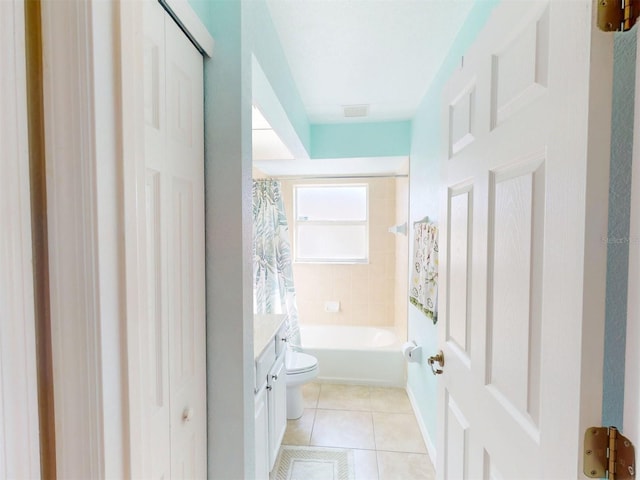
357	381
431	449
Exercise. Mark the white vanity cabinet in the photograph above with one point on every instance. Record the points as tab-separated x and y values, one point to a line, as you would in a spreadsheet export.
277	407
270	404
262	434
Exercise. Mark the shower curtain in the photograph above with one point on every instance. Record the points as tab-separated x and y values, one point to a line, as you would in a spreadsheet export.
273	289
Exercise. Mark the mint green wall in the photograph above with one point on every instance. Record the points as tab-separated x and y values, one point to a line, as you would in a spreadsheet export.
269	54
319	140
267	50
203	10
624	76
424	190
353	140
423	136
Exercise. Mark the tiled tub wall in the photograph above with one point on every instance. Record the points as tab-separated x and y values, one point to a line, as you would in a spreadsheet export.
372	294
402	257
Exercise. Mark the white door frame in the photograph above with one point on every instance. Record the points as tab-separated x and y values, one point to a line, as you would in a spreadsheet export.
95	160
631	418
87	315
19	428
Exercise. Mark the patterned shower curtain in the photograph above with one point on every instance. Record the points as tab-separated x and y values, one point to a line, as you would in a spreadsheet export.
273	290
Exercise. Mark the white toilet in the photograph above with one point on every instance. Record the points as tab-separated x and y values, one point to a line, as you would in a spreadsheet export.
301	368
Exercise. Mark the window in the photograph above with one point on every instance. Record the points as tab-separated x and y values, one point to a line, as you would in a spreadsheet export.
331	223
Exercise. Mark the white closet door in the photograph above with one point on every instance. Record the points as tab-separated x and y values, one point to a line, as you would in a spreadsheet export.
184	217
154	336
174	332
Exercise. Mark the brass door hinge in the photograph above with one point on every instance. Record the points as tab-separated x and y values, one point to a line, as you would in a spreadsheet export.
607	454
617	15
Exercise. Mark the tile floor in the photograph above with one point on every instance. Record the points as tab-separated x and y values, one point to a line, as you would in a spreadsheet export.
376	423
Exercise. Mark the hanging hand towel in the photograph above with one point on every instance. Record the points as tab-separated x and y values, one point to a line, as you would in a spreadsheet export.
423	291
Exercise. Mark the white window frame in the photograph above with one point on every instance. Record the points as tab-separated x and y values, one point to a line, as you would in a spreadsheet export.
297	222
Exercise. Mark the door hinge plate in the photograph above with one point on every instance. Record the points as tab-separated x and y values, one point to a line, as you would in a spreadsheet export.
607	454
617	15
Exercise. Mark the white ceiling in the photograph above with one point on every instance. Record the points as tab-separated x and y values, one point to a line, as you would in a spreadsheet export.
380	53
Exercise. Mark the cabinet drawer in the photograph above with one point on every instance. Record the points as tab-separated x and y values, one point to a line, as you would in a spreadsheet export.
264	363
281	344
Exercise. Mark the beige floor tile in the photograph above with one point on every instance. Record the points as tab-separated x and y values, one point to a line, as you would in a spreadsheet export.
310	394
344	429
298	431
366	464
405	466
390	400
397	432
344	397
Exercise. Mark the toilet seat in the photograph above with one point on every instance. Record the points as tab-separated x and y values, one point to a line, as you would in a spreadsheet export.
298	362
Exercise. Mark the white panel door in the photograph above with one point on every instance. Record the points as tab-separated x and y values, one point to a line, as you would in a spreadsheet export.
525	154
19	425
154	337
174	332
184	217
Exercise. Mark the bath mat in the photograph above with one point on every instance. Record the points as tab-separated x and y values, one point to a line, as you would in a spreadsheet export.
313	463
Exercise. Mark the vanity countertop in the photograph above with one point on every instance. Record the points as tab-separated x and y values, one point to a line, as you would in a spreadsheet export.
264	329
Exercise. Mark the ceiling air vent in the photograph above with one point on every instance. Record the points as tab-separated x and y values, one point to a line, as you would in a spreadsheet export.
351	111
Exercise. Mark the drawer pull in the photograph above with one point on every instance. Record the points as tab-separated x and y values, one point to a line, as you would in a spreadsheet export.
269	387
274	377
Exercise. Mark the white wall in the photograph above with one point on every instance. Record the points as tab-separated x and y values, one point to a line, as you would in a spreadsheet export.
228	241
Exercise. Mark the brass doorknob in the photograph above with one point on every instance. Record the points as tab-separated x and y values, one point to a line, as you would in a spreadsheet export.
438	358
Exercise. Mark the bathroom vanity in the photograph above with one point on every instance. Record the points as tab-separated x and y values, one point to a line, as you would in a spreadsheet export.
270	388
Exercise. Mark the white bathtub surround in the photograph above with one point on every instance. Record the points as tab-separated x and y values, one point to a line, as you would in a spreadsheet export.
357	355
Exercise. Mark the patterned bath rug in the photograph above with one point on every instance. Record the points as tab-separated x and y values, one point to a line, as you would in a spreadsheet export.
313	463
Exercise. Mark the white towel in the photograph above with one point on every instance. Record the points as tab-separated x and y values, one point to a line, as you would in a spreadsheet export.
423	291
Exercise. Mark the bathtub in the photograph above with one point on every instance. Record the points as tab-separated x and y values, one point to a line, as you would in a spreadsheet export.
360	355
